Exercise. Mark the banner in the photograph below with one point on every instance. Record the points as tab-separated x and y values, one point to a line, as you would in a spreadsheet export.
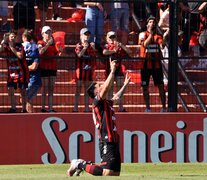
145	137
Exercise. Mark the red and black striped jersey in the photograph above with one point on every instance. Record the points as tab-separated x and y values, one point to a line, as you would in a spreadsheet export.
85	65
47	59
104	120
119	55
18	71
152	52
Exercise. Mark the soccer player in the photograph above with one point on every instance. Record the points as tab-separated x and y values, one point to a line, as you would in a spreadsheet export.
104	120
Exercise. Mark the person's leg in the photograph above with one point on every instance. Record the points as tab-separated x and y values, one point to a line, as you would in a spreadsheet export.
44	92
86	97
12	97
31	92
90	21
157	76
115	20
23	97
79	165
124	30
99	27
146	97
162	96
51	86
110	166
56	11
145	77
77	95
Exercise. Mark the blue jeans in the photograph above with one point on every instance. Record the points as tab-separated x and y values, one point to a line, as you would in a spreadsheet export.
120	19
94	20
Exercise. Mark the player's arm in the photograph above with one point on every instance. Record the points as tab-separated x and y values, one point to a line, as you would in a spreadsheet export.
120	93
108	83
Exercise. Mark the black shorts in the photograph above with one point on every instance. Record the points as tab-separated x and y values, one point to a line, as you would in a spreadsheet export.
17	85
157	75
110	156
47	73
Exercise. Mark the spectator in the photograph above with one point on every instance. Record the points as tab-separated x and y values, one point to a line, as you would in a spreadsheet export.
43	6
116	50
203	27
164	17
94	19
151	42
33	61
48	66
105	122
5	26
24	17
203	19
56	6
85	67
120	20
18	73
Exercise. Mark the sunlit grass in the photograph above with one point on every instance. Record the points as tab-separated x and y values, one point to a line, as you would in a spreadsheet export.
129	171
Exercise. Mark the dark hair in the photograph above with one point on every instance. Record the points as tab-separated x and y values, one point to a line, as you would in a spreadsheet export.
151	18
29	35
90	90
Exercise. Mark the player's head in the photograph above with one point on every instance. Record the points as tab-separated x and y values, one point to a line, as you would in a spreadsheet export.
94	89
91	90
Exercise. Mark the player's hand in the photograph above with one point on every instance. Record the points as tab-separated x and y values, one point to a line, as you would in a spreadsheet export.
127	79
112	65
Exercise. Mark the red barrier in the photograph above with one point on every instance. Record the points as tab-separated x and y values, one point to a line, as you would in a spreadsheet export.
58	138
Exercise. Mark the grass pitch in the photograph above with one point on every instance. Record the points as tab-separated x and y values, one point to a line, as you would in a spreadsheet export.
133	171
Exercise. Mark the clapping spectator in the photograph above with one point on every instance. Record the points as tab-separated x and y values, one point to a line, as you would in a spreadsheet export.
151	43
85	67
48	51
115	50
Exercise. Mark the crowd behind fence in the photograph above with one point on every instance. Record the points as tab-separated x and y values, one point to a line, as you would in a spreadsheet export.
71	17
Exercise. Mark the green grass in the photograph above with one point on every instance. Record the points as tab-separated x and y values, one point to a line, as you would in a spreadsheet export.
134	171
